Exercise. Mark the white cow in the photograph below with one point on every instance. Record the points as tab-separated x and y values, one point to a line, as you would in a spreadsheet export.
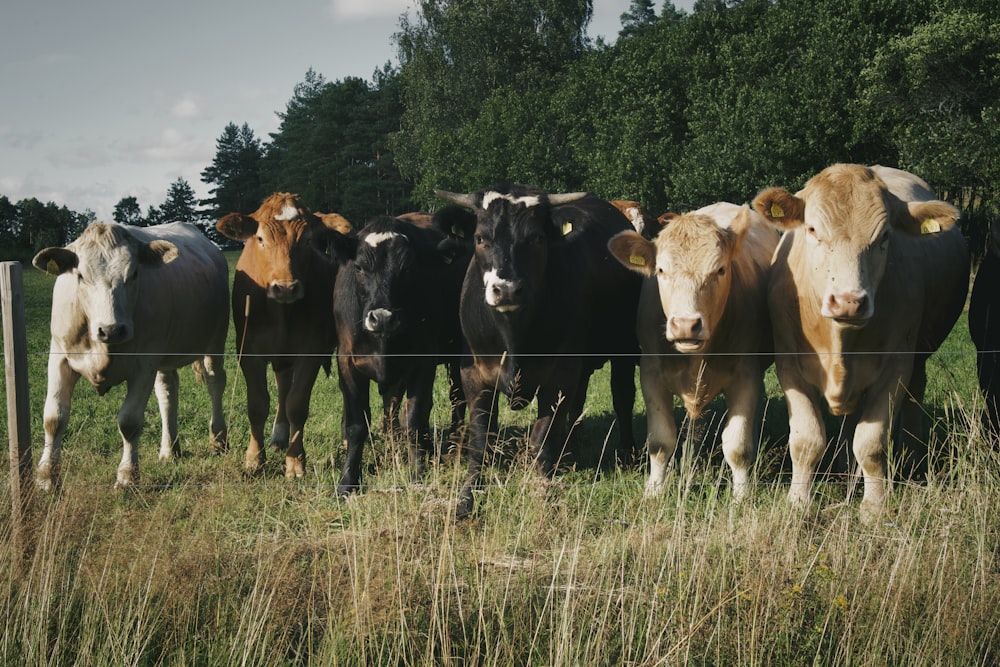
133	305
703	327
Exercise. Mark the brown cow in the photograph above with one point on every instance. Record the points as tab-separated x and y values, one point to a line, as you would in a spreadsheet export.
636	214
702	327
866	284
283	313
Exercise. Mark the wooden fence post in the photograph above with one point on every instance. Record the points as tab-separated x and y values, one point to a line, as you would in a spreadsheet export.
15	355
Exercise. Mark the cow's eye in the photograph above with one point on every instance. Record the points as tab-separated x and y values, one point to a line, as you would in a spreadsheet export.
260	241
480	241
722	271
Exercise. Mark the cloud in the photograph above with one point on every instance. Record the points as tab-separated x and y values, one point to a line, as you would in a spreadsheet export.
186	107
359	10
174	146
19	140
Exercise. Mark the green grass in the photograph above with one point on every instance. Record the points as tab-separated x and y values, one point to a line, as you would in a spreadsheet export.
200	565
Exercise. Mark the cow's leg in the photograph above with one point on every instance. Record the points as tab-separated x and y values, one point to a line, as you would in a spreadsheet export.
354	387
739	441
549	432
457	399
806	441
280	432
130	421
297	409
58	400
912	441
623	401
167	385
258	405
661	438
214	374
420	392
871	442
482	436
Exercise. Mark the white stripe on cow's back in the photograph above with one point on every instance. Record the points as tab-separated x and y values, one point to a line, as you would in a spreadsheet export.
289	212
374	239
492	196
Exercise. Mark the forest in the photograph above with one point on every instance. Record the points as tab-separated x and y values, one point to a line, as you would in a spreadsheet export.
683	109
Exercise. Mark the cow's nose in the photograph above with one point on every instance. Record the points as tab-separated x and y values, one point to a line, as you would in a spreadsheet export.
112	333
846	305
685	328
285	291
380	321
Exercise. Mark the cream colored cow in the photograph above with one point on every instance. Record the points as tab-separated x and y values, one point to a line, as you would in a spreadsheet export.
865	285
703	327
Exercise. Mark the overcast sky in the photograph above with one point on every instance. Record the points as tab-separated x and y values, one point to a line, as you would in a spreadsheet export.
104	99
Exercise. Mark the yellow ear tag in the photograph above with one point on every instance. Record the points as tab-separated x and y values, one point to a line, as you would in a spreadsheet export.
52	267
931	226
637	260
567	228
777	211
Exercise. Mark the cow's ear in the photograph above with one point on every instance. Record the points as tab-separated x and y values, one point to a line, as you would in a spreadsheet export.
237	226
343	246
926	217
456	223
634	252
780	208
335	221
156	253
54	261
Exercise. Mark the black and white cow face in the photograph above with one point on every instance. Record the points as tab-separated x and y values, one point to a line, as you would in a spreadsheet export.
514	231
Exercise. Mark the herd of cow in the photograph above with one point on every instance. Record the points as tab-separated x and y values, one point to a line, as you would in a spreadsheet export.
847	286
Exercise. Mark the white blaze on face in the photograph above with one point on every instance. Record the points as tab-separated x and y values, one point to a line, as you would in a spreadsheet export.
490	197
375	239
289	212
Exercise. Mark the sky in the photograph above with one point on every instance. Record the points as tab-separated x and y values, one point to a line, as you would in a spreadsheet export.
105	99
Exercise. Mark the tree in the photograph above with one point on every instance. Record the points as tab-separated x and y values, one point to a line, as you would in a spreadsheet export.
639	18
235	173
180	205
128	212
455	54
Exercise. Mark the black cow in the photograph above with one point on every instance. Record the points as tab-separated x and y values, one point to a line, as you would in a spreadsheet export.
543	305
396	309
984	326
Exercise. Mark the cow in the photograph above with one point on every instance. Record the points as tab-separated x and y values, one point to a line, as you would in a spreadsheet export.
543	305
133	305
984	327
703	328
396	310
283	314
865	285
636	214
336	222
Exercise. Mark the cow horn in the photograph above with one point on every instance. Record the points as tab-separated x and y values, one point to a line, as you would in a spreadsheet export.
455	198
566	198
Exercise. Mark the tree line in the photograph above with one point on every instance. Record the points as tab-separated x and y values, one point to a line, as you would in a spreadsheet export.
680	111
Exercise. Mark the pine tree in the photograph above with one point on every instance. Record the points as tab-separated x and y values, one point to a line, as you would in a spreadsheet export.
235	172
181	204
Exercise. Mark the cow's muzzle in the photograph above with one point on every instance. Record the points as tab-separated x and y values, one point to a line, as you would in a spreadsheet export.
848	309
381	322
113	334
285	291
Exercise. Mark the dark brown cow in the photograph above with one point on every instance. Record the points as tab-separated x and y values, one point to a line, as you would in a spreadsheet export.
865	285
283	313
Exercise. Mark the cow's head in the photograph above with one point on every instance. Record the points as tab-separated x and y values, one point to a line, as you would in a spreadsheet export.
692	260
514	229
848	217
636	215
106	262
391	261
279	244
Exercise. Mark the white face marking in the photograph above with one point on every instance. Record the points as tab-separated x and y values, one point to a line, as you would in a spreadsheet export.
374	239
289	212
495	288
490	197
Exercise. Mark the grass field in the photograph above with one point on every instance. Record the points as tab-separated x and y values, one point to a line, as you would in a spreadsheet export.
200	565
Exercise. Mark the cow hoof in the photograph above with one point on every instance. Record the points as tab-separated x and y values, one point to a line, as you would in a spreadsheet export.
44	484
253	468
653	490
219	443
463	509
126	479
294	467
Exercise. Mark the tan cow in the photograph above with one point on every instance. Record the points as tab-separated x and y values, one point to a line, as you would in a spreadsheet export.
702	325
336	222
133	305
636	214
283	314
866	284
